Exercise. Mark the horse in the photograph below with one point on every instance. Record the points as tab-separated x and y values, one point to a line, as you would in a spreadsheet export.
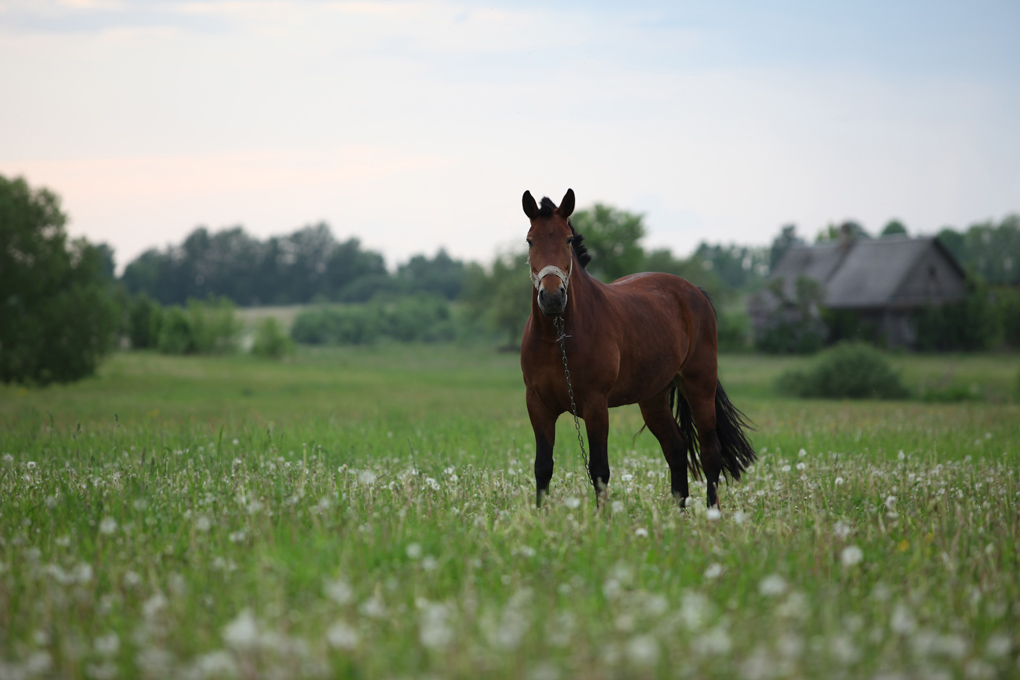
646	338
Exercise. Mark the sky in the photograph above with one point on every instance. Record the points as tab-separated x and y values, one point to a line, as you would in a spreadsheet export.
418	125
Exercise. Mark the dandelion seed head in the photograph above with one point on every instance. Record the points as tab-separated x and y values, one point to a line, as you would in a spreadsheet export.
851	555
772	585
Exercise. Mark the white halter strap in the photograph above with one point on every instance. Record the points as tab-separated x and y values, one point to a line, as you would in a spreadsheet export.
552	269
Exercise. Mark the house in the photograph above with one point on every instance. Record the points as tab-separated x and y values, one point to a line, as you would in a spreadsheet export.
882	280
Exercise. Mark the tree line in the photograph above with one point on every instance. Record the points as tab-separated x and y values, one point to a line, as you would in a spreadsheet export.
63	307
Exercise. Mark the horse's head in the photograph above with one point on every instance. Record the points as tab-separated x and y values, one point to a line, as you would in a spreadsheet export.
550	253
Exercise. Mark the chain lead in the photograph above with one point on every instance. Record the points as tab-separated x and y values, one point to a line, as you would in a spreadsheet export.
570	392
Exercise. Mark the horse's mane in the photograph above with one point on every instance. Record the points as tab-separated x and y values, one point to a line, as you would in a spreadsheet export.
583	256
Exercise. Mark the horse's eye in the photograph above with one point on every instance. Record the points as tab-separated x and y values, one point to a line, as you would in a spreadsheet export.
570	240
530	243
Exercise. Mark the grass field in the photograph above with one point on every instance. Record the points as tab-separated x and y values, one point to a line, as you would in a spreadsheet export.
369	514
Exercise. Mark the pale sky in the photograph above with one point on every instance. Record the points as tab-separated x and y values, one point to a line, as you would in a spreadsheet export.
415	125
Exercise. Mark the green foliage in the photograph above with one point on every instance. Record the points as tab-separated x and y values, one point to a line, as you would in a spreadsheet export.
988	250
845	371
736	267
57	313
413	318
501	296
442	275
847	324
203	327
786	239
145	320
970	325
281	270
851	229
792	326
894	228
1007	303
696	270
734	329
613	238
270	340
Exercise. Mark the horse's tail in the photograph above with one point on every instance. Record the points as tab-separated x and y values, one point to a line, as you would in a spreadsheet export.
730	423
685	419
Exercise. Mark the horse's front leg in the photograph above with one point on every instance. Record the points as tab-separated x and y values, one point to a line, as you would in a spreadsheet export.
543	422
596	423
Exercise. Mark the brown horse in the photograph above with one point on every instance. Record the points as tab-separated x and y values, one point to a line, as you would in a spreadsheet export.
648	339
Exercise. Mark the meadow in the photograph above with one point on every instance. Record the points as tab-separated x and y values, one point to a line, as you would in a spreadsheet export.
369	513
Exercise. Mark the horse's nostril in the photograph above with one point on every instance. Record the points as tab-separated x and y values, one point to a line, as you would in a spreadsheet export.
541	295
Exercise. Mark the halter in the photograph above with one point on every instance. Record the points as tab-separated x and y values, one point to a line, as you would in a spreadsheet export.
552	269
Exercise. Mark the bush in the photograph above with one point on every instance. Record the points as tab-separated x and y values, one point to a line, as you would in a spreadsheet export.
969	325
270	340
734	329
208	327
792	326
846	371
145	318
214	326
415	318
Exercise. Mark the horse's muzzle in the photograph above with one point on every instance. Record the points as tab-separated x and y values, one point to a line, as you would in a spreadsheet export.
552	304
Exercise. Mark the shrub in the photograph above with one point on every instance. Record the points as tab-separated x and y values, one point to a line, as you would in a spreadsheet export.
145	318
734	328
175	335
208	327
214	326
846	371
270	340
792	325
416	318
972	324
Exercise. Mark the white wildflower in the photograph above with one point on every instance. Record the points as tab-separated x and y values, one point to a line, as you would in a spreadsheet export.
839	481
414	551
203	523
641	532
851	555
108	525
339	591
643	650
341	636
772	585
434	628
713	514
902	621
107	645
243	632
714	571
573	502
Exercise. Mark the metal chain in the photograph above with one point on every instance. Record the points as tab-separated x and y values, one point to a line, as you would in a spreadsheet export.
558	321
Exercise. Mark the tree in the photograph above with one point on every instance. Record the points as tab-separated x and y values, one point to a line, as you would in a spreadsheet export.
442	274
780	244
612	237
57	315
849	229
893	228
502	295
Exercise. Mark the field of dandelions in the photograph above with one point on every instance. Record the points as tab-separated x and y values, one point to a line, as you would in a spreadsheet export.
370	514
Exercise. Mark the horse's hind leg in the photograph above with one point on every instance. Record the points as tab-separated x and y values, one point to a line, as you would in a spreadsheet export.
699	389
660	422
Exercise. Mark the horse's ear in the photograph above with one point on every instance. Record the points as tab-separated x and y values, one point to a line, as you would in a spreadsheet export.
530	207
566	205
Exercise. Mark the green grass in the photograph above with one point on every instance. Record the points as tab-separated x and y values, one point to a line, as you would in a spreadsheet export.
369	513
